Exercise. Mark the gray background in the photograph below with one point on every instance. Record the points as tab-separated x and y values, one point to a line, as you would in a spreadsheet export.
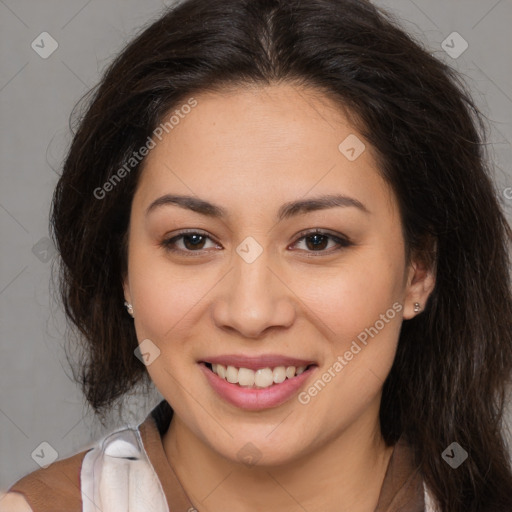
38	402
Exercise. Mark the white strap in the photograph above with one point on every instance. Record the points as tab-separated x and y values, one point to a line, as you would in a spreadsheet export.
117	476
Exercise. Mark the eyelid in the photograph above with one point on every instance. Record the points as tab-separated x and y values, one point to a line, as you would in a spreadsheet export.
321	231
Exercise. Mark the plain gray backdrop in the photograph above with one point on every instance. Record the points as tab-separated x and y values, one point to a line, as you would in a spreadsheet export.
38	401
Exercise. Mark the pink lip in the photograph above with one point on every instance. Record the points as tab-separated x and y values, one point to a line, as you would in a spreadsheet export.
256	399
255	363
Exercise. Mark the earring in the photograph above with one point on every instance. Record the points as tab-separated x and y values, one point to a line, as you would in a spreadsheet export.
417	307
129	307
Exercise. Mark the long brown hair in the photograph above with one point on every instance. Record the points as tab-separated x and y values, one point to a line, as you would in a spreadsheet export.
454	360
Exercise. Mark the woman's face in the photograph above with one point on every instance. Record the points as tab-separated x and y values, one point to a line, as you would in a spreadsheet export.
251	286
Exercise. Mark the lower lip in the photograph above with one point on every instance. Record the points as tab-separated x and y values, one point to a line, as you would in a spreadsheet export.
256	399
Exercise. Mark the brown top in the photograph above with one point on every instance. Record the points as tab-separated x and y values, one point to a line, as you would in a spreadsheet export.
57	488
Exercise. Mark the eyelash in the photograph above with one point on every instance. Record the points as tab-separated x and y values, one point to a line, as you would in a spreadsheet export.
342	242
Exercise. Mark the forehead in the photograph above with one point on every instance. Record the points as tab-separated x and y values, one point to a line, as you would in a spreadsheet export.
254	145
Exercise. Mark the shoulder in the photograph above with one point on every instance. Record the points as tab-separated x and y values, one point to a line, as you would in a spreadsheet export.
104	473
58	485
14	502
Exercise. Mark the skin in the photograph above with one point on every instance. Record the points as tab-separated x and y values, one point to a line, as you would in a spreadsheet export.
249	150
13	502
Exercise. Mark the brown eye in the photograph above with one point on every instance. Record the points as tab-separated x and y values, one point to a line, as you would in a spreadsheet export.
192	242
186	242
318	241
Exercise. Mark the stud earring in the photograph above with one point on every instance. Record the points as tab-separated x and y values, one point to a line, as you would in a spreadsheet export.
129	307
417	307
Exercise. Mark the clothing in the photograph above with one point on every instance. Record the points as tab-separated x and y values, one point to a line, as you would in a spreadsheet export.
128	471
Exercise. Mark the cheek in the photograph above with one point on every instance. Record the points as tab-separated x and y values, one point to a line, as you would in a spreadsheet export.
362	307
355	296
164	298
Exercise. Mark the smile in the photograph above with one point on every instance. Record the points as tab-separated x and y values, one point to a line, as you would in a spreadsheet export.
259	379
266	384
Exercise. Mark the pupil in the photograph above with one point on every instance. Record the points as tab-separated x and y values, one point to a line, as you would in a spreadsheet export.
316	238
188	238
319	241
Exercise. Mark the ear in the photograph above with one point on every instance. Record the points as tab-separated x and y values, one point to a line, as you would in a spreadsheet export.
126	290
124	267
419	286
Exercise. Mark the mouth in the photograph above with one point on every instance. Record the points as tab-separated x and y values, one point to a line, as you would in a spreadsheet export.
260	378
256	384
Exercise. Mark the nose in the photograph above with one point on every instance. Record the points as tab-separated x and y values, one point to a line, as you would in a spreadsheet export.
253	299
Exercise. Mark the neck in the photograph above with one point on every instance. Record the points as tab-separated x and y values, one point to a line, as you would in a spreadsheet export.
344	474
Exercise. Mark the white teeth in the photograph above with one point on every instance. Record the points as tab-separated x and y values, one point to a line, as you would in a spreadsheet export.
262	378
232	374
279	374
290	372
221	371
246	377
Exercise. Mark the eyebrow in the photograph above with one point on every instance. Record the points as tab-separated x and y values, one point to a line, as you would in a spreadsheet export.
286	211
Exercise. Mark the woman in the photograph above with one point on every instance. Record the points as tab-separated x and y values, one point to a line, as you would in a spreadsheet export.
292	202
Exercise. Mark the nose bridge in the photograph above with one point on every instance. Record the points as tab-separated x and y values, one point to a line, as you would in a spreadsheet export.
252	280
253	298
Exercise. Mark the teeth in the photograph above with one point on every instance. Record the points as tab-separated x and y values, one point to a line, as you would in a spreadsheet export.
279	374
262	378
290	372
232	374
246	376
221	371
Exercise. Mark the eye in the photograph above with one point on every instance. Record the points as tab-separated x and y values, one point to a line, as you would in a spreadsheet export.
317	240
190	241
193	241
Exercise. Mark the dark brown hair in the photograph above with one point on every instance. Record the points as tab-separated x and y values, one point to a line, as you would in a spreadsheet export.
454	360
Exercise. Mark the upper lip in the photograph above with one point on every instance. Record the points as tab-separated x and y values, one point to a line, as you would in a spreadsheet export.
257	362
